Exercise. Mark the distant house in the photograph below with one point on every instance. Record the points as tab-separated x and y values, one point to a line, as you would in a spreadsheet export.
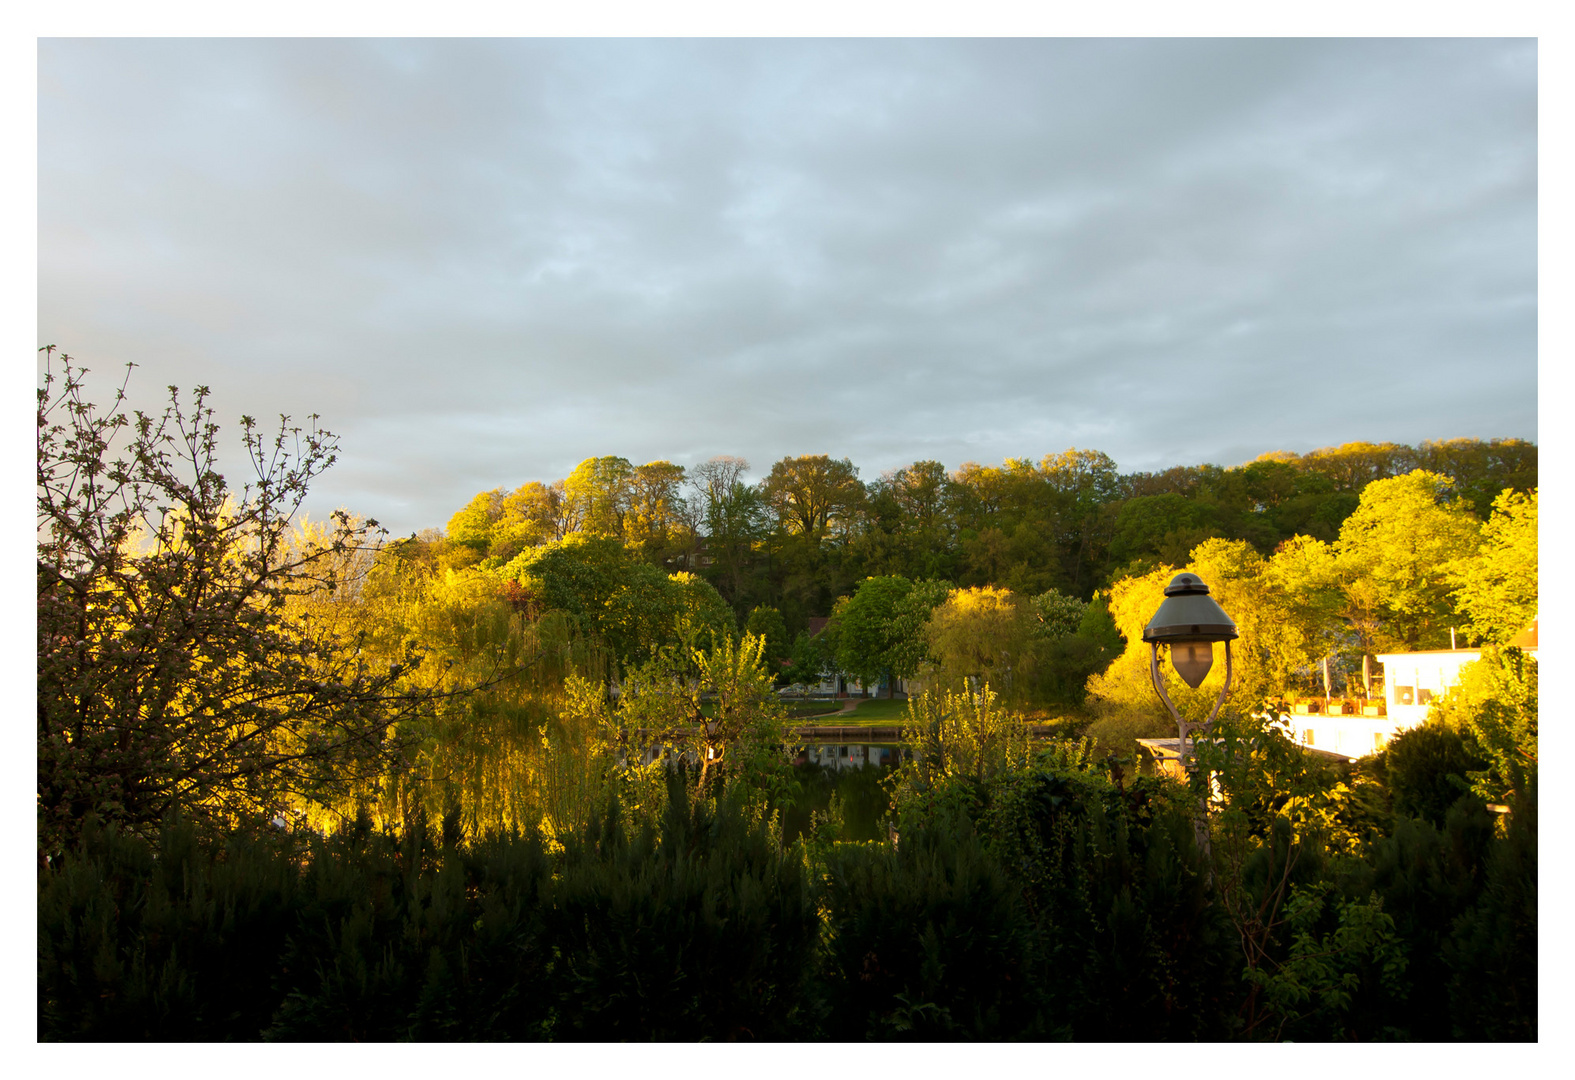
831	682
1412	680
697	559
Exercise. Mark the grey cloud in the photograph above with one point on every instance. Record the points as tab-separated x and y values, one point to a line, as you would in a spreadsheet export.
484	261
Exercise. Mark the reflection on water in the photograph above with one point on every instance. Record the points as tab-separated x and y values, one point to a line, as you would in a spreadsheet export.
826	755
848	755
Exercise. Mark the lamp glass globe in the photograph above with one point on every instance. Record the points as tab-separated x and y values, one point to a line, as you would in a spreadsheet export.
1192	660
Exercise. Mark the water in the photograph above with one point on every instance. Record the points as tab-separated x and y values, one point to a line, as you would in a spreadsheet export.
849	755
826	755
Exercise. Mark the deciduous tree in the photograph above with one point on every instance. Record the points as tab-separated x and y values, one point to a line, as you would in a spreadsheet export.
1399	549
1495	705
813	495
173	672
879	630
656	518
983	634
471	526
597	496
1497	588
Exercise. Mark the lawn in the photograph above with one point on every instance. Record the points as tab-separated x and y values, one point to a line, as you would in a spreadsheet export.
881	711
876	712
806	710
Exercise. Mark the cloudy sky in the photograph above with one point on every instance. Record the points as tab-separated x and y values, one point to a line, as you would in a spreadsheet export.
483	261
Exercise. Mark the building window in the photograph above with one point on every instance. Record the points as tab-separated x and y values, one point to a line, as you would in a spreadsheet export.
1307	736
1378	740
1423	696
1403	695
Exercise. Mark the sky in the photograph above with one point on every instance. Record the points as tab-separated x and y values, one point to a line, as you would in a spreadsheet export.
482	261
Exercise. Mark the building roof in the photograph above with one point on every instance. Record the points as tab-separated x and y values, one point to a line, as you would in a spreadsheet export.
1526	639
1465	654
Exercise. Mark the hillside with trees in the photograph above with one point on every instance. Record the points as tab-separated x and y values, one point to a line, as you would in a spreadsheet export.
1366	544
532	776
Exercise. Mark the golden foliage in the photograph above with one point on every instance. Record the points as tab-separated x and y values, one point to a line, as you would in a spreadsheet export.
983	634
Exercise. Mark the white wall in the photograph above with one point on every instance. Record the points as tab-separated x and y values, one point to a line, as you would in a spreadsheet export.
1353	736
1421	677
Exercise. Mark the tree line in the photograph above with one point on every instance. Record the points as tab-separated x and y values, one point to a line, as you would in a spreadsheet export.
811	529
1363	548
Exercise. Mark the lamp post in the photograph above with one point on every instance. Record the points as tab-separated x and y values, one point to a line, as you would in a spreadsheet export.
1190	622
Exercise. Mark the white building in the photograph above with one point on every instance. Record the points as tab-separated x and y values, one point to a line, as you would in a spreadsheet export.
1364	730
1411	682
831	684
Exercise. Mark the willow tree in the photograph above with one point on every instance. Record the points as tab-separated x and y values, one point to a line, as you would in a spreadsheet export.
984	636
714	706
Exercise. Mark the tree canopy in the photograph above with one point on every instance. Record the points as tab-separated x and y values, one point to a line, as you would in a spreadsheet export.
879	630
1399	546
1497	588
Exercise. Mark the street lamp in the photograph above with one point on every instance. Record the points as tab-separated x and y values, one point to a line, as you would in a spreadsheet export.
1190	622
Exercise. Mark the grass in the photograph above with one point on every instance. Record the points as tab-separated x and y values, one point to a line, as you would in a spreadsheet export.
809	709
875	712
884	712
880	711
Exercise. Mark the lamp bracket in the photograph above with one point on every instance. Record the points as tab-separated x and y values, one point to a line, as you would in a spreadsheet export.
1183	750
1225	689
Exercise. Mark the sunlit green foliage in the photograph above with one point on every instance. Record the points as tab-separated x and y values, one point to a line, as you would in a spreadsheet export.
1396	552
879	632
530	515
985	635
1497	589
814	495
966	735
596	496
1495	706
472	525
716	706
808	533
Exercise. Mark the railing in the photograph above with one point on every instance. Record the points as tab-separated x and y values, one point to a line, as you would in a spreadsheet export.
849	733
1338	707
854	733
